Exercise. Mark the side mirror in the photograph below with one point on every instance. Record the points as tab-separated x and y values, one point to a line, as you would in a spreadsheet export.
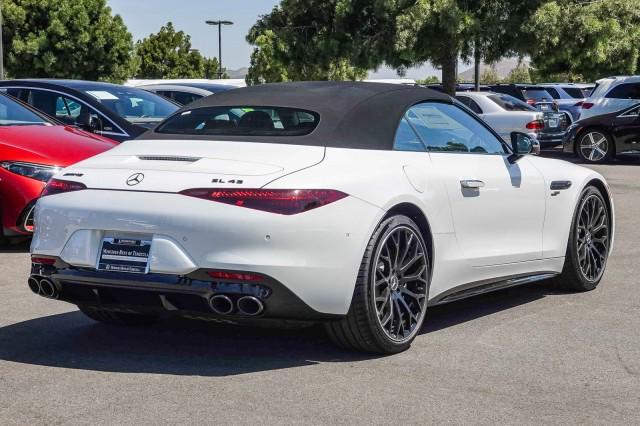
523	144
89	123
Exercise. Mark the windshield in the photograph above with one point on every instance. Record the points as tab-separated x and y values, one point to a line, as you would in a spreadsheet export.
509	103
134	105
14	114
242	121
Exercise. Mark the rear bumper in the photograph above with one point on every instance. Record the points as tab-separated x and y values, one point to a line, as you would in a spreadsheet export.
549	140
316	254
163	294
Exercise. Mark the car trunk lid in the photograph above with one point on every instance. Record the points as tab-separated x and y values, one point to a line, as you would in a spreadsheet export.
173	166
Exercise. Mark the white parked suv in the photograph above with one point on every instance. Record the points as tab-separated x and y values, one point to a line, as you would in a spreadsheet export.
612	94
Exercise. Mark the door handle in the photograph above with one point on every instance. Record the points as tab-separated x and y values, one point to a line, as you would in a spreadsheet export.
472	184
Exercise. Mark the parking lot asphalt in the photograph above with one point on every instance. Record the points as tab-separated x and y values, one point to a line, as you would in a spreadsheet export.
520	356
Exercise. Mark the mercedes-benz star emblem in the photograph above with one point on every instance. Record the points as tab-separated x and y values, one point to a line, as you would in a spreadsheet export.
135	179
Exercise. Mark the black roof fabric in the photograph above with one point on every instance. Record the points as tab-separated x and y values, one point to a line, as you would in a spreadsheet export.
352	114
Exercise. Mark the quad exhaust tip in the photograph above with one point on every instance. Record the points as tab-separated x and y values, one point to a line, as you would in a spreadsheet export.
43	287
34	284
246	305
221	304
249	305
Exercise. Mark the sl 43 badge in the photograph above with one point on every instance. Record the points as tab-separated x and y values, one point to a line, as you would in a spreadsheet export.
230	182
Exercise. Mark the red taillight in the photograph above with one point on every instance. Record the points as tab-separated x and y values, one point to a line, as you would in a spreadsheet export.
56	186
43	260
281	201
235	276
579	104
535	125
531	102
587	105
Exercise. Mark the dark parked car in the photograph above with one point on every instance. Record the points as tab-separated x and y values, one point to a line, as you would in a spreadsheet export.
185	93
599	138
117	112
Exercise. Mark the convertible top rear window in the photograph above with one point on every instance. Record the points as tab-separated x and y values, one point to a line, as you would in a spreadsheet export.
241	121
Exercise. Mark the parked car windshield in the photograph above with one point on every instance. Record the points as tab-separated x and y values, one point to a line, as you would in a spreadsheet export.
134	105
14	114
242	121
509	103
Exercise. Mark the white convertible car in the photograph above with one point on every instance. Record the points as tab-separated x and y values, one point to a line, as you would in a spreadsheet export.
354	204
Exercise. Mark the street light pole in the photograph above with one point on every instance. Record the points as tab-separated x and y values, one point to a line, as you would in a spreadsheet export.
219	24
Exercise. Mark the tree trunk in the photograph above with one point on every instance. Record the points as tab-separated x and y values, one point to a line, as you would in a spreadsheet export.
476	67
449	72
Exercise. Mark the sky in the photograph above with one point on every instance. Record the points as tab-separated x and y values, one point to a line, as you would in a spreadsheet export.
144	17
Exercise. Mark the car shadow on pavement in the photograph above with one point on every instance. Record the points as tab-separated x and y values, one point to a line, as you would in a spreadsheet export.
623	160
183	347
19	246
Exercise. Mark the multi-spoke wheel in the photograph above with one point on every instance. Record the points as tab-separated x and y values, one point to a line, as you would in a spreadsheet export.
589	243
400	283
595	147
390	297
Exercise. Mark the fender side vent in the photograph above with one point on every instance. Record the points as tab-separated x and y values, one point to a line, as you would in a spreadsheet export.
560	185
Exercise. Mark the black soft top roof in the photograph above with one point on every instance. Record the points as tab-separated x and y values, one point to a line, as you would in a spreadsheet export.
352	114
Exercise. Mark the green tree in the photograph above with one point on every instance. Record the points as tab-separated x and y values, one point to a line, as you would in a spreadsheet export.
212	69
302	40
309	38
168	54
586	40
432	79
490	76
442	31
519	74
66	39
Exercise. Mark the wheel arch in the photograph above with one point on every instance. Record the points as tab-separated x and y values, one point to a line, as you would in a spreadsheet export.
416	214
601	186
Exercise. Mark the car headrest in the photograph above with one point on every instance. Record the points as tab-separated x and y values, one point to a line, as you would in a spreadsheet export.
256	120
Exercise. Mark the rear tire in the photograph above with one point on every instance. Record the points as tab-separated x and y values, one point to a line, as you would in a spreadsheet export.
389	302
122	318
595	146
588	247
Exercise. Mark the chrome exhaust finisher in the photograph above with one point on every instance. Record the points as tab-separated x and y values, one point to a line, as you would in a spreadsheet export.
34	284
249	305
48	289
221	304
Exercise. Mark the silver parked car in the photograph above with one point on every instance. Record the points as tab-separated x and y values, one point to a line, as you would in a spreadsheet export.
506	114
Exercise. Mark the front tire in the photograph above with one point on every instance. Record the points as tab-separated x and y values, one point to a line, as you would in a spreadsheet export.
122	318
595	147
389	302
589	242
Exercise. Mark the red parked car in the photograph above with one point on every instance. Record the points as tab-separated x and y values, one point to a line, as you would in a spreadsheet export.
33	147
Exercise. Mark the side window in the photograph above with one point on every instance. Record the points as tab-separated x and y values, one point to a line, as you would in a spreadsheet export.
470	103
184	98
625	91
553	92
68	110
447	128
164	93
406	138
21	94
